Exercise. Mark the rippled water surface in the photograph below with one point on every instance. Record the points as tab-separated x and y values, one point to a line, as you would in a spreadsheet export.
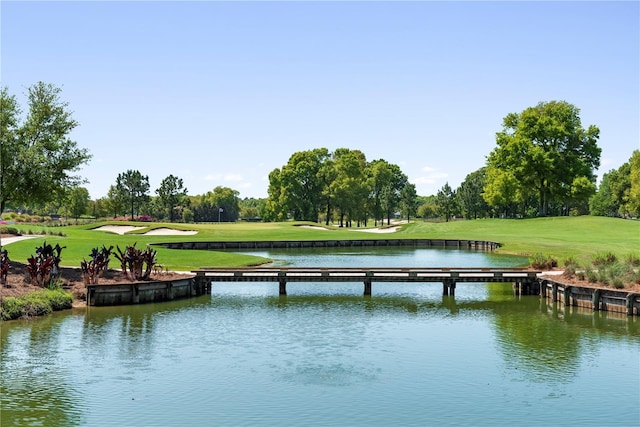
326	355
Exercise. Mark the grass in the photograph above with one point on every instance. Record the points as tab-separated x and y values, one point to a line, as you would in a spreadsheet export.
580	238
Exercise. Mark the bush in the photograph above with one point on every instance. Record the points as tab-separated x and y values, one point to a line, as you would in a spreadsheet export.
570	267
633	260
543	262
604	259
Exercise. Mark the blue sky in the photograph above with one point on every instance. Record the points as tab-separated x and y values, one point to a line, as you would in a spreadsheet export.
222	93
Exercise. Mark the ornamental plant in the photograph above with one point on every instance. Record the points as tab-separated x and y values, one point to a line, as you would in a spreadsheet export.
93	269
4	266
44	268
136	264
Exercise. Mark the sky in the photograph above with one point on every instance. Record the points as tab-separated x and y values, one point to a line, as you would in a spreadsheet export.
222	93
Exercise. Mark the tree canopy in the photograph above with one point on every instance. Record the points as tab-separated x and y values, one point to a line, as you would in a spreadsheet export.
543	151
171	192
135	186
343	184
37	156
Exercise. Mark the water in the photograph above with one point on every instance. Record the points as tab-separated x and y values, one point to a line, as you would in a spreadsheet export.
325	355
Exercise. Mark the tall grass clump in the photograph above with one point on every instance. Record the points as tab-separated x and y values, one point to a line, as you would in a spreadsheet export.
543	262
571	266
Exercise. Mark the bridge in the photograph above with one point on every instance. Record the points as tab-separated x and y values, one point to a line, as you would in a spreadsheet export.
525	281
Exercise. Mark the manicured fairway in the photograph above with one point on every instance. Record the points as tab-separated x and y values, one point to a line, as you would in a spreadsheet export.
580	237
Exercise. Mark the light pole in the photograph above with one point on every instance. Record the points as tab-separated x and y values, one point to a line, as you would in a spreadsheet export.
219	212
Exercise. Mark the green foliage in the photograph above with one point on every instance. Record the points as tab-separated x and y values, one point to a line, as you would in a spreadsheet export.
342	185
570	267
561	237
35	304
632	260
171	192
37	153
543	262
604	259
134	187
545	151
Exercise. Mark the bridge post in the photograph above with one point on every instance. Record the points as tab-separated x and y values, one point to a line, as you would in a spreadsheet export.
448	287
367	287
283	287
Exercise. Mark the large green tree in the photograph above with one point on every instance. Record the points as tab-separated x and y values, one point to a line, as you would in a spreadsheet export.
135	186
349	188
171	192
37	155
446	201
634	190
301	183
545	148
76	202
469	195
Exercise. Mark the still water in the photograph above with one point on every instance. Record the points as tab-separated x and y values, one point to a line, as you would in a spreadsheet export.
326	356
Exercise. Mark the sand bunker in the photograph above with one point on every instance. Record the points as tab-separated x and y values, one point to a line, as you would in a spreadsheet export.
377	230
367	230
122	229
169	232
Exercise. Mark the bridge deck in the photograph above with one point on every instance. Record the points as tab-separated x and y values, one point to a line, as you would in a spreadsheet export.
368	275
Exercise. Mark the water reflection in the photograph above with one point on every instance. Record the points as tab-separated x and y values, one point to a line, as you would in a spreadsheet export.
247	356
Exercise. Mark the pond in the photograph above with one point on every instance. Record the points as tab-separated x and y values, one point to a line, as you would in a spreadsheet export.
325	355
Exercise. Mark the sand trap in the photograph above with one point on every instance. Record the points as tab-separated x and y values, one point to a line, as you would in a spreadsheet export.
9	240
378	230
118	229
122	229
367	230
169	232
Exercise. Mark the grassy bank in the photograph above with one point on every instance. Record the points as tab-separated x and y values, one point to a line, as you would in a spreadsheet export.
35	304
579	237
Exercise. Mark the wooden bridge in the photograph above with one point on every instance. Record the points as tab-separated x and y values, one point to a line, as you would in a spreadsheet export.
525	281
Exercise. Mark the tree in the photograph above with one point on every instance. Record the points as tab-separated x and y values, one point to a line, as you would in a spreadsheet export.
135	186
469	195
116	200
408	204
171	192
446	201
37	156
545	148
634	190
76	202
349	188
301	186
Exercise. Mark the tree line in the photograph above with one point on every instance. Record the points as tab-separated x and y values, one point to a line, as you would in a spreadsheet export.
544	163
317	185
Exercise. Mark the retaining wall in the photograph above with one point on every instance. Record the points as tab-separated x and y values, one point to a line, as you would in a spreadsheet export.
142	292
619	301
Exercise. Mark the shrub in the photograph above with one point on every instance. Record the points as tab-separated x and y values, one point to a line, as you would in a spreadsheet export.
543	262
633	260
133	261
43	269
604	259
93	269
570	267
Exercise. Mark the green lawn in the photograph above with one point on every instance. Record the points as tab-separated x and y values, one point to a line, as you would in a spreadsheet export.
581	237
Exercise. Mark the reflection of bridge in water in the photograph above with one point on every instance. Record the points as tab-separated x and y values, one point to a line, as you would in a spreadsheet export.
525	282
